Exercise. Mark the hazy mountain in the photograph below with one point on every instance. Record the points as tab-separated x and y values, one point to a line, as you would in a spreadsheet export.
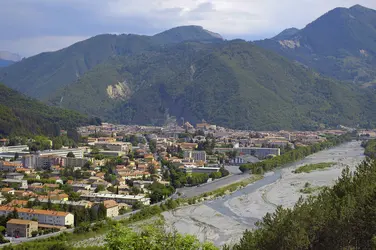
234	84
7	58
286	34
340	44
41	75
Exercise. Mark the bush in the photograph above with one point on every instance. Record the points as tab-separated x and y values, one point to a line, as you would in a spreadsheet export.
34	233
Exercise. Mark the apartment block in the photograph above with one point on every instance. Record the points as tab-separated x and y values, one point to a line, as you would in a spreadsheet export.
48	217
21	228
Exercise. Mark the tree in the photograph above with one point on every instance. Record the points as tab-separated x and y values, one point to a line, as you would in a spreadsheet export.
70	155
152	237
34	233
153	146
100	188
16	156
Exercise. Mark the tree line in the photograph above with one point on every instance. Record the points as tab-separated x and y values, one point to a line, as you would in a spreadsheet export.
294	155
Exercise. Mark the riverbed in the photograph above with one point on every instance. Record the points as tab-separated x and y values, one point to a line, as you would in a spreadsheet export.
223	220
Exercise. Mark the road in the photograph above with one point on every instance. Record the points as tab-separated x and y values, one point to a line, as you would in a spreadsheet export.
235	176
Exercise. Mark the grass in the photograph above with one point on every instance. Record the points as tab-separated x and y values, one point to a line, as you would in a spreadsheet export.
309	189
312	167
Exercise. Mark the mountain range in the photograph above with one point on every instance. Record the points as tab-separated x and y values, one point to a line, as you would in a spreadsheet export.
340	44
319	76
7	58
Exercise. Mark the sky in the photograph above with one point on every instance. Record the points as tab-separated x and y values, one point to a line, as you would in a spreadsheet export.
29	27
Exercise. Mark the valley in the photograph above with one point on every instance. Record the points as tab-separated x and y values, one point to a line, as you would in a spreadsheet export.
222	220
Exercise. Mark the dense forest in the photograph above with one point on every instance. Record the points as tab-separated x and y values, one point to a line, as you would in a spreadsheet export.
20	115
341	217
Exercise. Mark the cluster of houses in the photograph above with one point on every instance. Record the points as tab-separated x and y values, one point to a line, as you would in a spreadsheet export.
24	179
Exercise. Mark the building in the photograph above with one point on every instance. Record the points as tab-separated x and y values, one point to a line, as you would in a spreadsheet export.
42	216
78	153
115	146
83	204
15	183
205	170
14	149
15	176
73	162
195	155
21	228
29	161
112	208
260	153
46	161
243	159
8	166
128	199
79	186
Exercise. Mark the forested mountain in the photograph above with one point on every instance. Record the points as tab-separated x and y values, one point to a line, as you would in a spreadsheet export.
339	44
24	116
41	75
234	84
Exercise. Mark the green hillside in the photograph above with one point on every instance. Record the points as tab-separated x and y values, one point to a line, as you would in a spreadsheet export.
41	75
234	84
339	44
24	116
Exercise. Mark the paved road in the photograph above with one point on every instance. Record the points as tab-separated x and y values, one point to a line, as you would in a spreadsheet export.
189	192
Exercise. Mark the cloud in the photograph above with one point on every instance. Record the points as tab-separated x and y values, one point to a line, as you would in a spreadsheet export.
32	26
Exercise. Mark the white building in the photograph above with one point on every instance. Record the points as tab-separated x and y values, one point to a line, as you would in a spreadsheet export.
195	155
78	153
14	149
128	199
43	216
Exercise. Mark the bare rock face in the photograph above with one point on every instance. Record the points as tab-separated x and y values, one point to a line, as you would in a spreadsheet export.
119	91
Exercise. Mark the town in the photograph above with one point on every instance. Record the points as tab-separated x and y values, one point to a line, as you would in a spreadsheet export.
51	185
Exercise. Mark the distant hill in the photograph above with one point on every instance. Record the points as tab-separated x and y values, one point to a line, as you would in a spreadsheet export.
4	63
339	44
24	116
234	84
41	75
7	58
286	34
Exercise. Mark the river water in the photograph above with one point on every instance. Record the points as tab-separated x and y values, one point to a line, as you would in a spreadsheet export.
223	220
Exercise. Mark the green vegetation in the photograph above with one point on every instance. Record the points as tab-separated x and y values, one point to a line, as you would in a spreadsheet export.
294	155
233	84
24	116
370	148
312	167
153	237
341	217
339	47
41	75
309	189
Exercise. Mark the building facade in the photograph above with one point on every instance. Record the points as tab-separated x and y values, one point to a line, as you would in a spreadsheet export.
42	216
21	228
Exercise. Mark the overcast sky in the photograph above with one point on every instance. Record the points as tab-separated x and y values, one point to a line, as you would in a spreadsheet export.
29	27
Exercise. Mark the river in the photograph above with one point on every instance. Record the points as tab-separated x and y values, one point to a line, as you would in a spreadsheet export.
223	220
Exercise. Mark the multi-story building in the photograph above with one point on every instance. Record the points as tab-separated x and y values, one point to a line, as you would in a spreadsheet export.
14	149
21	228
42	216
195	155
73	162
78	153
29	161
115	146
128	199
